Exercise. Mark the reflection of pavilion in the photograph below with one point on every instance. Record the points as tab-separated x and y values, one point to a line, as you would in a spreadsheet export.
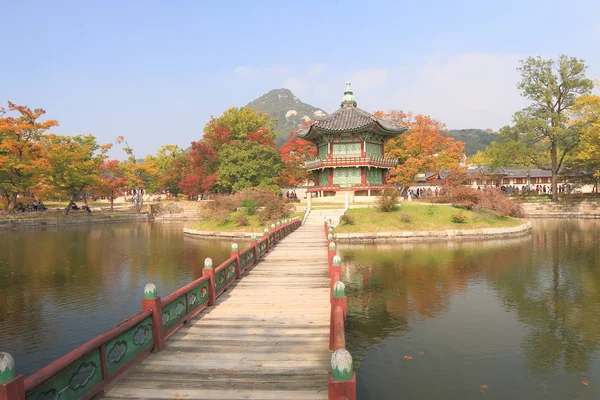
350	146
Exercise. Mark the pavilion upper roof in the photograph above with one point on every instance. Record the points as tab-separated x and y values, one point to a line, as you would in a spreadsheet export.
350	118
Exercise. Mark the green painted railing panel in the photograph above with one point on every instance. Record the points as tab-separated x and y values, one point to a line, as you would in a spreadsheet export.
198	296
246	259
231	271
128	345
173	312
262	248
71	383
220	279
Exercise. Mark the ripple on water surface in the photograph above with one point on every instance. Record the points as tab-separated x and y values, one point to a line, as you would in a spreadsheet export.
60	287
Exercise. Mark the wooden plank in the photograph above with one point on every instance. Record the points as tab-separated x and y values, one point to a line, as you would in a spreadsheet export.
267	337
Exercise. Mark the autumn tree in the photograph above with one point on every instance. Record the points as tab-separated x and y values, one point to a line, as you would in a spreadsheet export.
541	134
20	149
71	164
247	164
424	148
208	170
170	162
294	153
585	119
111	181
139	174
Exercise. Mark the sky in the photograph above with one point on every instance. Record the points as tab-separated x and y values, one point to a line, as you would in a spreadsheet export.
155	71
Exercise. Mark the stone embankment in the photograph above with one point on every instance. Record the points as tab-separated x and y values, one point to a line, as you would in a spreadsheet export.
194	232
56	220
581	209
449	234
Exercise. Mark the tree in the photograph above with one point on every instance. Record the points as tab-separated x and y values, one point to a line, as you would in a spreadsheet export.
245	164
72	164
221	135
111	181
139	174
20	150
170	162
545	137
424	148
294	153
585	118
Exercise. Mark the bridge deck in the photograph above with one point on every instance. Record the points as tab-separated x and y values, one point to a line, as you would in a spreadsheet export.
266	338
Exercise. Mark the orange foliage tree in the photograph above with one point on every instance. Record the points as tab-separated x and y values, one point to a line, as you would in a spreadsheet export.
20	149
111	182
293	155
424	148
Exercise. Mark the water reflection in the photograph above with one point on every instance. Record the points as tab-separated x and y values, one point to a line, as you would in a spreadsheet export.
513	318
59	287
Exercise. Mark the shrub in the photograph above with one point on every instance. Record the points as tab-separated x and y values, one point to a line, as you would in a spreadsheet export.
241	219
459	218
249	205
181	196
276	209
221	203
489	198
404	217
388	200
262	196
347	219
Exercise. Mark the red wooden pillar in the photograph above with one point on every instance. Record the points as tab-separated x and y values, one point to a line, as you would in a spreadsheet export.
210	272
12	386
342	389
235	252
330	177
153	303
266	236
363	175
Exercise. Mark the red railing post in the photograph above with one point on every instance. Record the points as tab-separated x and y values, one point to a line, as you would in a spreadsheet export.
267	241
254	249
153	303
274	233
326	226
235	252
336	273
330	254
12	386
210	272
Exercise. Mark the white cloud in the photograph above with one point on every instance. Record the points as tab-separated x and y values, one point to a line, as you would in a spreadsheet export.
315	70
242	70
476	90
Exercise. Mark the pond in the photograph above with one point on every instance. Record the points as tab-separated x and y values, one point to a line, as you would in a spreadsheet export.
60	287
497	319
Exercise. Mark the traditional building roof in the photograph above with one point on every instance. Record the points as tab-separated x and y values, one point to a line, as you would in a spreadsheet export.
350	118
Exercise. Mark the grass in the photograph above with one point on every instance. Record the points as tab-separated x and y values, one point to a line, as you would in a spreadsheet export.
231	226
422	218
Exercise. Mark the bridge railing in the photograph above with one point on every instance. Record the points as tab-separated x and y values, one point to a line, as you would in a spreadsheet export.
92	367
342	378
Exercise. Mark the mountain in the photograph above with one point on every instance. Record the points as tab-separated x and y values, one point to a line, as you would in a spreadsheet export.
475	139
288	109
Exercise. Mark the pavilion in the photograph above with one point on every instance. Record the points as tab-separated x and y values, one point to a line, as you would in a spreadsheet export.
350	144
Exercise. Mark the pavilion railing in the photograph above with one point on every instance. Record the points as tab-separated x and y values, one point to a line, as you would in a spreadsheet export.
92	367
342	378
375	161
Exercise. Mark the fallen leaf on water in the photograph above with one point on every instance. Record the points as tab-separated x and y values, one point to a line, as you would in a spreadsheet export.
176	395
407	357
210	378
260	365
253	389
483	387
586	383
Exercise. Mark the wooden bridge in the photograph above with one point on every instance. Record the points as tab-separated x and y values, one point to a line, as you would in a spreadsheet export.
265	331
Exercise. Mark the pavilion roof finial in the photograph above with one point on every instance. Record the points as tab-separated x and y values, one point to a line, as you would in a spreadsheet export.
348	100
